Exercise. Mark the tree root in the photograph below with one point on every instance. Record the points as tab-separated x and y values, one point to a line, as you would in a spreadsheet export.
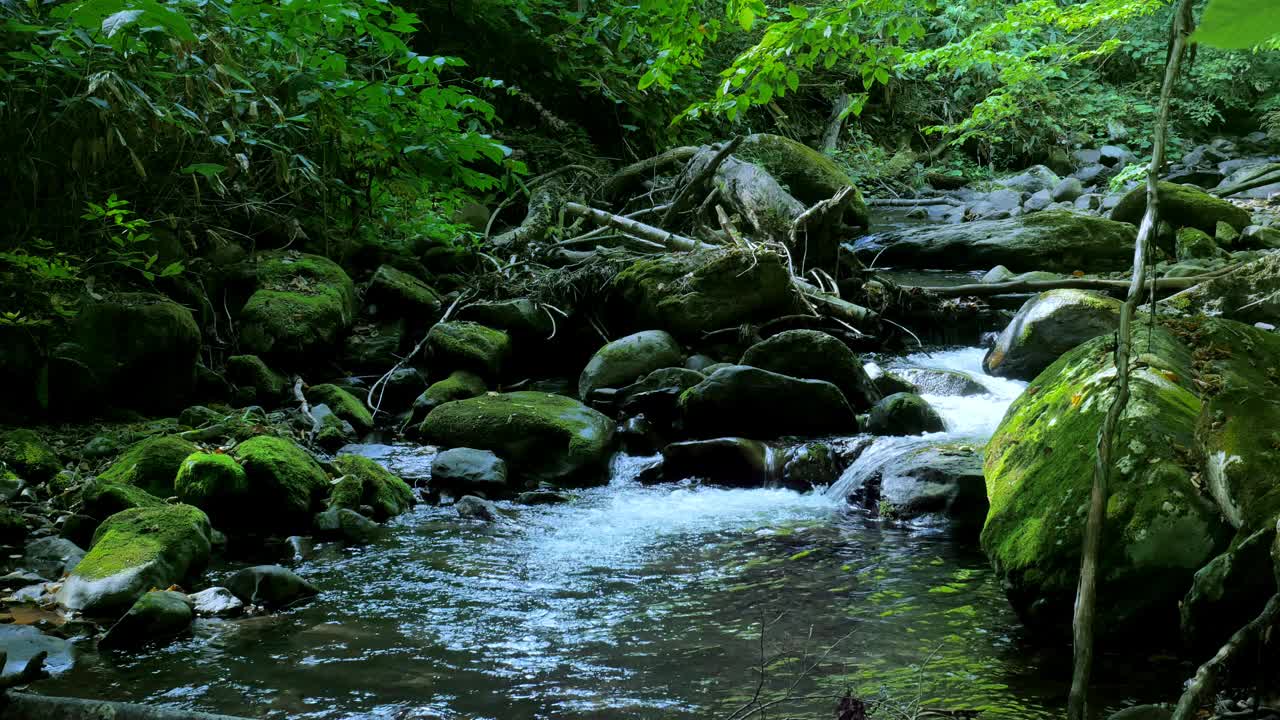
1204	684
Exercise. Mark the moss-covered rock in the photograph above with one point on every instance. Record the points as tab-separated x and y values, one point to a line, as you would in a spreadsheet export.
343	404
13	526
817	356
1194	244
101	499
365	483
809	175
754	403
1047	326
1160	530
398	293
460	385
1250	294
151	464
28	455
542	437
461	345
688	294
628	359
288	483
731	461
304	303
904	414
249	371
521	318
1183	206
214	483
134	551
155	617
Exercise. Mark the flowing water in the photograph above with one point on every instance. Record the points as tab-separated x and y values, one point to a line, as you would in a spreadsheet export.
630	602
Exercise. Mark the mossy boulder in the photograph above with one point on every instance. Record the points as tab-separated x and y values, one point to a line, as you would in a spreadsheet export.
1059	240
366	484
1250	294
395	292
754	403
520	318
688	294
155	617
1047	326
214	483
288	484
1194	244
13	525
101	499
815	355
1234	585
303	304
1182	206
808	175
628	359
151	464
460	385
904	414
343	404
28	455
543	437
134	551
1039	468
461	345
266	386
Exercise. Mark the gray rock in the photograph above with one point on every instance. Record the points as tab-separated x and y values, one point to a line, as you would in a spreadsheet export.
699	362
346	525
811	465
628	359
1047	326
731	461
21	643
1086	157
815	355
1089	202
1260	237
751	402
1067	190
1091	174
467	470
934	381
904	414
1114	155
543	497
154	617
270	586
216	602
52	557
937	481
19	579
1038	201
997	274
1033	180
474	508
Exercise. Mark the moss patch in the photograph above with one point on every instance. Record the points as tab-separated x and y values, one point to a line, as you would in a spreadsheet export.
462	345
302	302
135	537
27	454
288	481
343	404
101	499
365	482
1182	206
151	464
212	482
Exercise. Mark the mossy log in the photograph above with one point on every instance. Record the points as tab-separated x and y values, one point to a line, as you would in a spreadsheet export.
25	706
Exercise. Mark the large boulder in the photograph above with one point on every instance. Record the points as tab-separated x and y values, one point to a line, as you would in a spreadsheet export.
543	437
215	483
286	482
755	403
732	461
462	345
28	455
904	414
270	586
689	294
151	464
134	551
1182	206
1050	240
809	175
303	304
366	484
466	471
1047	326
460	385
941	483
1160	528
628	359
343	404
815	355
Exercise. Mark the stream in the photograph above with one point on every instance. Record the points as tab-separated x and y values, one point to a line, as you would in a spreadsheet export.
632	602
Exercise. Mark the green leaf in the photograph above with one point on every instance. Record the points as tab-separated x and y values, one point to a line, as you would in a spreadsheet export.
793	80
205	169
1238	24
799	12
746	17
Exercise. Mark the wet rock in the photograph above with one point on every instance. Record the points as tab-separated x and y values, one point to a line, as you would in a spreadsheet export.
466	470
997	274
372	348
1193	244
51	557
215	483
887	383
640	396
365	483
101	499
216	602
346	525
302	307
732	461
628	359
343	404
1093	174
751	402
134	551
1234	585
27	454
471	507
151	464
265	385
156	616
1250	295
942	481
270	586
460	345
395	292
1067	190
1033	180
331	432
542	437
21	643
904	414
99	447
815	355
1260	237
1038	201
1225	235
933	381
996	205
699	363
811	465
520	318
1047	326
286	483
1183	206
19	579
460	385
543	497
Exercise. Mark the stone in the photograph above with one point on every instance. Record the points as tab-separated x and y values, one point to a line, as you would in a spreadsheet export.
28	455
215	483
887	383
936	482
464	471
1144	712
461	345
1067	190
198	416
752	402
809	175
23	642
625	360
151	464
370	348
346	525
1038	201
135	550
51	557
302	307
270	586
100	499
904	414
1260	237
343	404
1114	155
1093	174
934	381
1088	202
1194	244
1225	235
471	507
1250	294
155	617
1183	206
542	437
699	363
1045	327
216	602
1033	180
286	482
542	497
1234	585
400	294
460	385
249	371
366	484
808	466
997	274
815	355
731	461
520	318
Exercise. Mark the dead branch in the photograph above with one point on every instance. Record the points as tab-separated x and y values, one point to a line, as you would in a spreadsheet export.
823	215
1035	286
636	171
635	228
913	202
1204	684
727	225
303	405
685	198
1265	175
832	305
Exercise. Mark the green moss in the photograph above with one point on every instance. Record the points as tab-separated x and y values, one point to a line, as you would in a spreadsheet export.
151	464
13	526
365	482
397	290
29	455
143	535
101	498
463	345
302	302
343	404
288	481
460	385
251	372
213	482
810	175
1182	206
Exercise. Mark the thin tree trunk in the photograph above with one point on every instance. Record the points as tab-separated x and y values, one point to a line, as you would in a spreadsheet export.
1087	590
831	138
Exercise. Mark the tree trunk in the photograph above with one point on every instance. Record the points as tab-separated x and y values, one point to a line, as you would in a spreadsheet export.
831	138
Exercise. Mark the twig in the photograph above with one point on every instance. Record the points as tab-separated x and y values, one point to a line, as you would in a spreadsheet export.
416	349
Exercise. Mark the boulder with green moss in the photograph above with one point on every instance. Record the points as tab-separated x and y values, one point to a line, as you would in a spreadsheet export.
1232	586
288	484
134	551
1182	206
249	372
904	413
366	484
815	355
628	359
28	455
303	304
215	483
100	499
808	175
1194	244
689	294
1250	294
155	617
543	437
460	385
1047	326
1051	240
750	402
462	345
398	293
151	464
520	318
343	404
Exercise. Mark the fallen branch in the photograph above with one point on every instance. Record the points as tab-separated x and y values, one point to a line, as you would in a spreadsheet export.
913	202
1035	286
685	198
633	227
304	406
1265	175
833	306
622	179
24	706
1204	684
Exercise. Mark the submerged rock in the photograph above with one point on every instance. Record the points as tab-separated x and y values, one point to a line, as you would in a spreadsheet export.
1182	206
270	586
815	355
349	526
748	401
156	616
1047	326
904	414
216	602
303	305
474	508
628	359
151	464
